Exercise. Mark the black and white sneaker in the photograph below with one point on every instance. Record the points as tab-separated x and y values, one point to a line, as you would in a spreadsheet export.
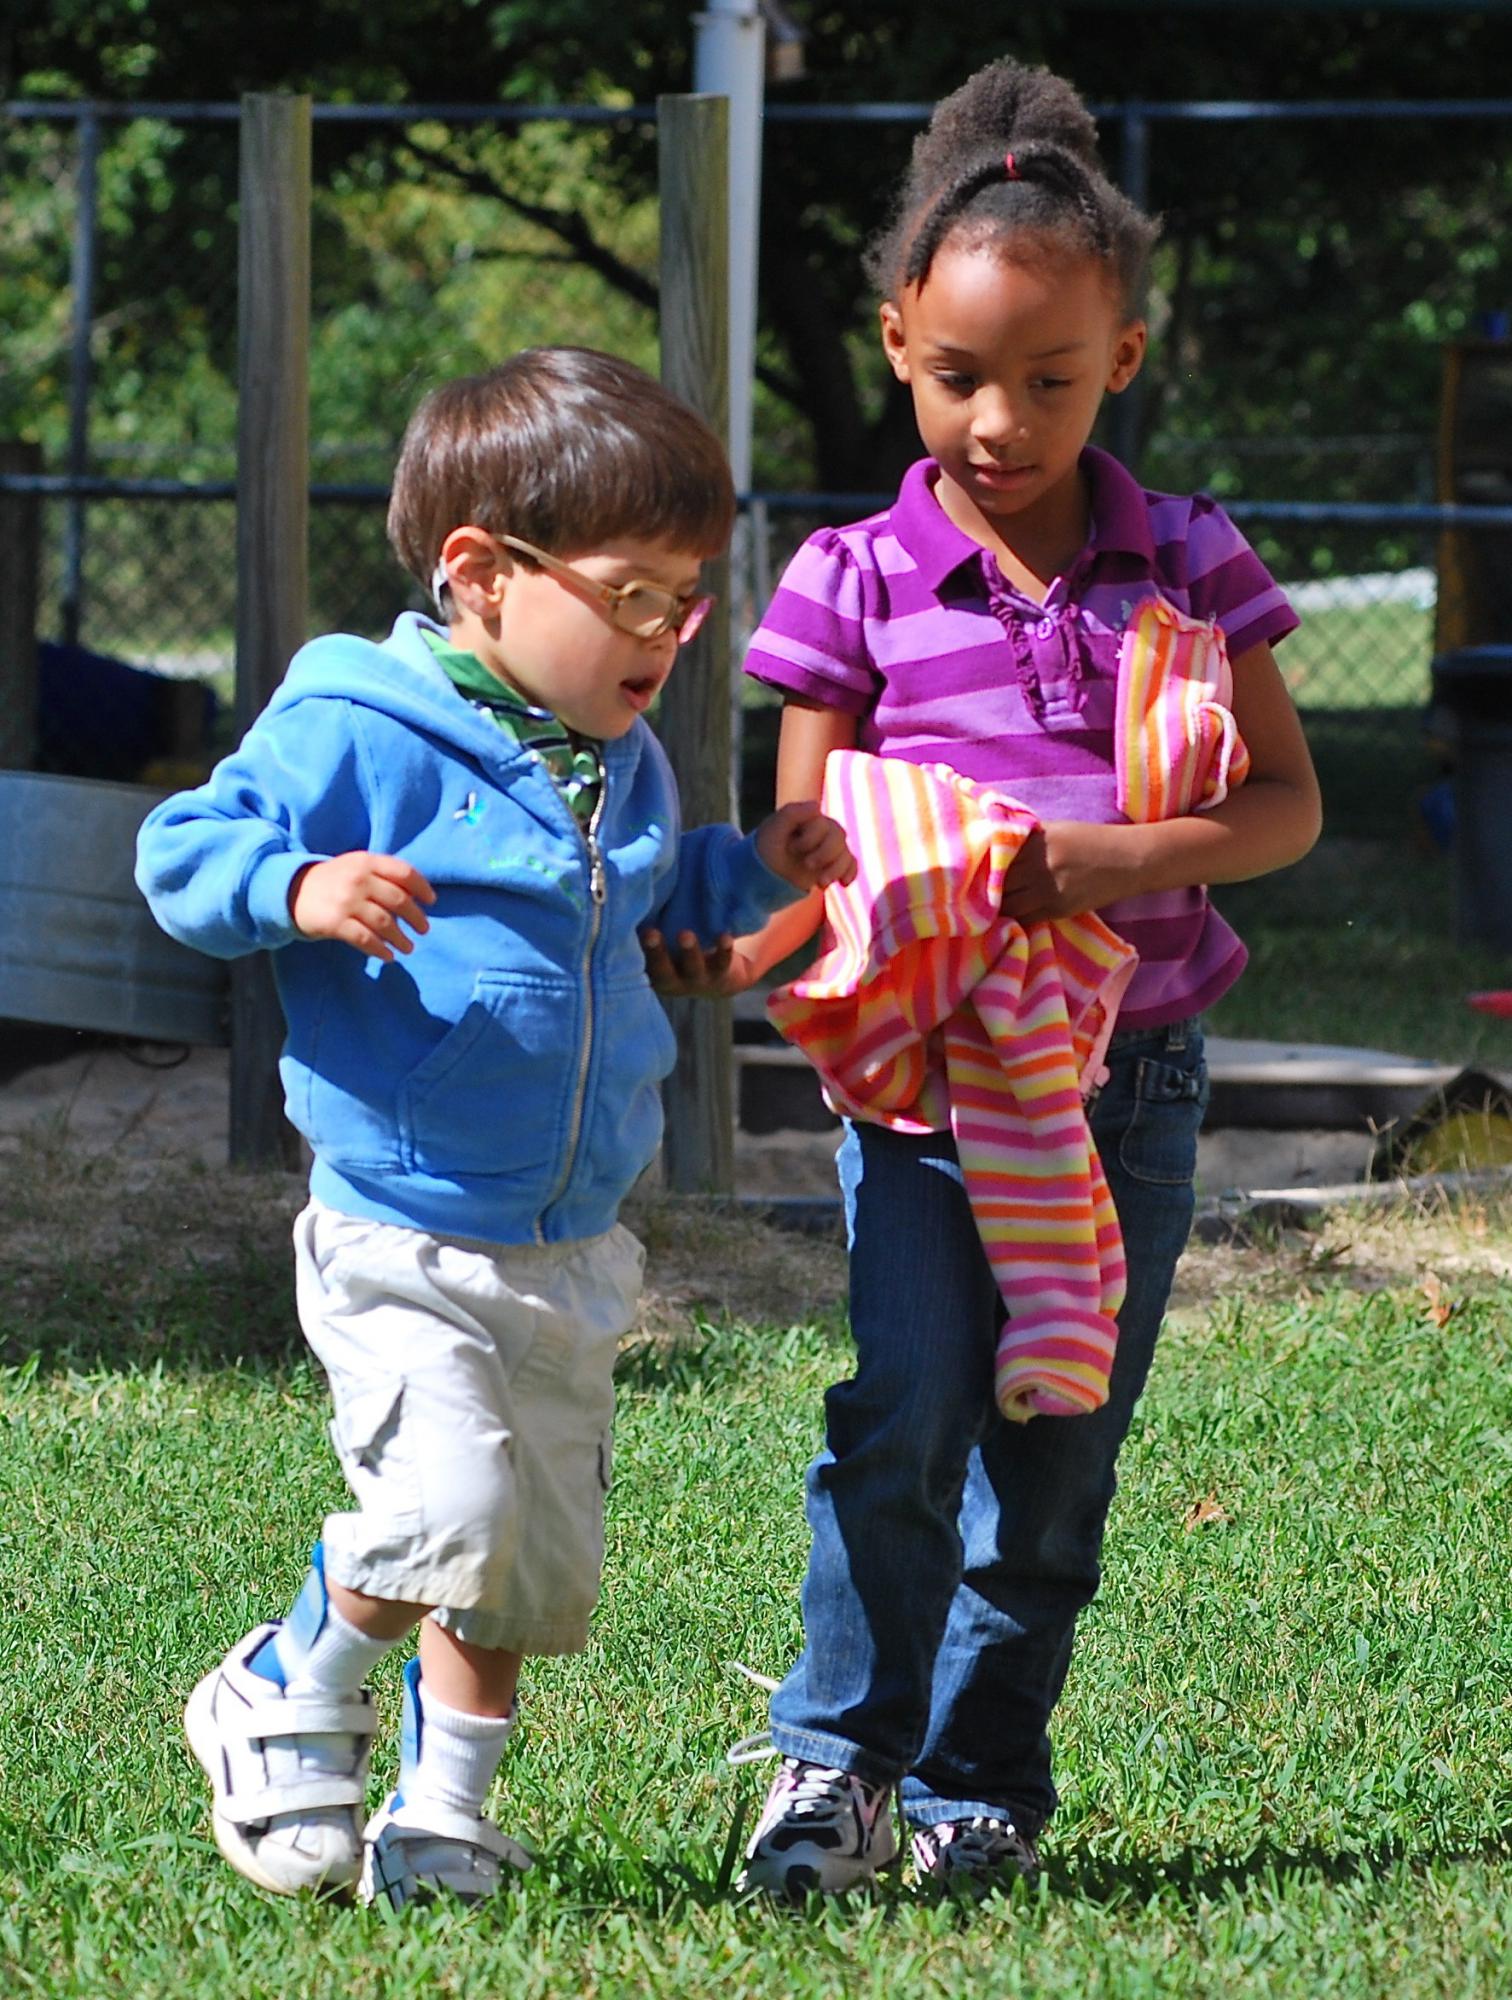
820	1829
977	1855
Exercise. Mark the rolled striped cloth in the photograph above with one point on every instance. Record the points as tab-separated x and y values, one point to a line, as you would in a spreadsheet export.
927	1010
1176	746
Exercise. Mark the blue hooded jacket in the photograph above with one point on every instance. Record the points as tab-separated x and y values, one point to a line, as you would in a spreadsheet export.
499	1082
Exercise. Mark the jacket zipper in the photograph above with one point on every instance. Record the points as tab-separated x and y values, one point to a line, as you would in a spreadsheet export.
597	890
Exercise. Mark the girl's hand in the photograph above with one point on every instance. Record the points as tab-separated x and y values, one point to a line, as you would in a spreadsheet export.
1067	867
361	899
691	973
805	846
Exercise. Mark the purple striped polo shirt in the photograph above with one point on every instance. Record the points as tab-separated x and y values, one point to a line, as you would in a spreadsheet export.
906	622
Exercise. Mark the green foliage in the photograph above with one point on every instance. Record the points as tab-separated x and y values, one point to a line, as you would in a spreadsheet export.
1311	273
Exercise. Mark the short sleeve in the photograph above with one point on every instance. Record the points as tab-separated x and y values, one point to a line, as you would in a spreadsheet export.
1227	581
812	640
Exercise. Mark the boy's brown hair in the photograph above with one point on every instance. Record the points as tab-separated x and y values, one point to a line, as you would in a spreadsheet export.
565	447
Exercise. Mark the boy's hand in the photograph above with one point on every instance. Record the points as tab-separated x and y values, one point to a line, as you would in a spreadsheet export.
361	899
685	971
805	846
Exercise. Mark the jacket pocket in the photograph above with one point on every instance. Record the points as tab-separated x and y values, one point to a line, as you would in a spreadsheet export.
638	1049
493	1096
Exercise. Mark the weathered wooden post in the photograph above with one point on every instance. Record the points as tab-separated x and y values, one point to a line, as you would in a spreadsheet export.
694	724
20	553
272	508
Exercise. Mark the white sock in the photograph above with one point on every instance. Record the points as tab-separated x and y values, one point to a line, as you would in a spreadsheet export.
459	1755
337	1661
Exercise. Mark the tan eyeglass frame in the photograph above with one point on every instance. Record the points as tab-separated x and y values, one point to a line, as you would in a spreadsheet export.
683	615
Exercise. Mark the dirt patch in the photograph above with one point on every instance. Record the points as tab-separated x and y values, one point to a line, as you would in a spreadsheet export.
114	1170
706	1260
1464	1241
72	1225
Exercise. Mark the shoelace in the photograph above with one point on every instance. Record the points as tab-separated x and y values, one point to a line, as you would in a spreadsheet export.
758	1748
821	1794
752	1749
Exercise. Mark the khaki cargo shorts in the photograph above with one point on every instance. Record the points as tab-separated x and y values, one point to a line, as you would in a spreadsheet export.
474	1401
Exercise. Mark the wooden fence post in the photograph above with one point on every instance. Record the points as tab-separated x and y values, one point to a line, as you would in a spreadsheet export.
272	553
694	724
20	553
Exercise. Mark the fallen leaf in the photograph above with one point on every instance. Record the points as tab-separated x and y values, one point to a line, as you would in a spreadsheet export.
1207	1513
1438	1309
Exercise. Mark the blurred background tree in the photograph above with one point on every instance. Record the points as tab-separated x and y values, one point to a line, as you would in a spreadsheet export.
1309	273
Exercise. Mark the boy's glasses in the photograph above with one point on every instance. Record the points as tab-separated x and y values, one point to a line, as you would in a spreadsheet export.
649	610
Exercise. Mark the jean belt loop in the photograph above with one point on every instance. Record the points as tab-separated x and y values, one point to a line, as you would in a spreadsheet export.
1176	1036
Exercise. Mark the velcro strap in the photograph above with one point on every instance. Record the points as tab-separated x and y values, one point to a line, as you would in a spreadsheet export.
302	1795
431	1820
306	1715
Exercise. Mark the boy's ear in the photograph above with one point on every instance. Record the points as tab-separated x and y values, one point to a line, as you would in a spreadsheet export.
475	570
1128	355
894	343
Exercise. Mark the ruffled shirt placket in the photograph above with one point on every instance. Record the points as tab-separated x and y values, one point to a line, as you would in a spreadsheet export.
1047	641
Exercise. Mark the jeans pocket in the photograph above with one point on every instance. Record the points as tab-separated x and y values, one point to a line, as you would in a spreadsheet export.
1159	1143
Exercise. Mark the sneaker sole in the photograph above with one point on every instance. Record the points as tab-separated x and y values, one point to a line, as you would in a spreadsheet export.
803	1871
199	1728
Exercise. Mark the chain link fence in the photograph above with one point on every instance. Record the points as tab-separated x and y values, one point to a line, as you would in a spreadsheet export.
441	242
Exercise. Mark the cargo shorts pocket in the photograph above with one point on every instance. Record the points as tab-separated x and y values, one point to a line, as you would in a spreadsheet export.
376	1454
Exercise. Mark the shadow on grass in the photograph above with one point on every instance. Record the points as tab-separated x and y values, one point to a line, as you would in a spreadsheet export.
600	1867
82	1317
239	1312
715	1353
1194	1876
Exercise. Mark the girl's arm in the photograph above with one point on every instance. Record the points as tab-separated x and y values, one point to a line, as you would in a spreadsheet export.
809	733
1271	820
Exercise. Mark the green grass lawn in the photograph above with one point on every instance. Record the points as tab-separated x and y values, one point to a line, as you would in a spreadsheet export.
1286	1749
1356	945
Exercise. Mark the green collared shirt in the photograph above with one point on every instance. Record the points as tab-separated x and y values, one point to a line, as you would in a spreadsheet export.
573	762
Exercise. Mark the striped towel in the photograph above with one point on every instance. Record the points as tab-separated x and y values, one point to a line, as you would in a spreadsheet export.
1176	747
929	1011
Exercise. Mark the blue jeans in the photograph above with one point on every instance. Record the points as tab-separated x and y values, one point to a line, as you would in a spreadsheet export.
952	1550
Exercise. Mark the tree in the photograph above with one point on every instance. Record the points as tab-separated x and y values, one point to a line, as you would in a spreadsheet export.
1310	270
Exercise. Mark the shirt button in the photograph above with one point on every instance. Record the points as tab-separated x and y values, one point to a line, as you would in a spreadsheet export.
1045	628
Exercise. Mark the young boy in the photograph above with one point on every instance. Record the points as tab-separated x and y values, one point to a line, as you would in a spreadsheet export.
451	841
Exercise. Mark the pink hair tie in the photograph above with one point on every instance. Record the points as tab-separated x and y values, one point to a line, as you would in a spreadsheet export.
1010	167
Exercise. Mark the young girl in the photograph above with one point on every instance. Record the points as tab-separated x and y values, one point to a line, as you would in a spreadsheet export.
976	623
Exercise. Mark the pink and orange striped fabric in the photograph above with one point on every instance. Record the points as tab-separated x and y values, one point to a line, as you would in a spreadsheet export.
929	1011
1176	747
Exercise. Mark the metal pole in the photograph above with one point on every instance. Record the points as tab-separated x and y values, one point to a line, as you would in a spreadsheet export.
729	60
80	383
272	533
694	723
